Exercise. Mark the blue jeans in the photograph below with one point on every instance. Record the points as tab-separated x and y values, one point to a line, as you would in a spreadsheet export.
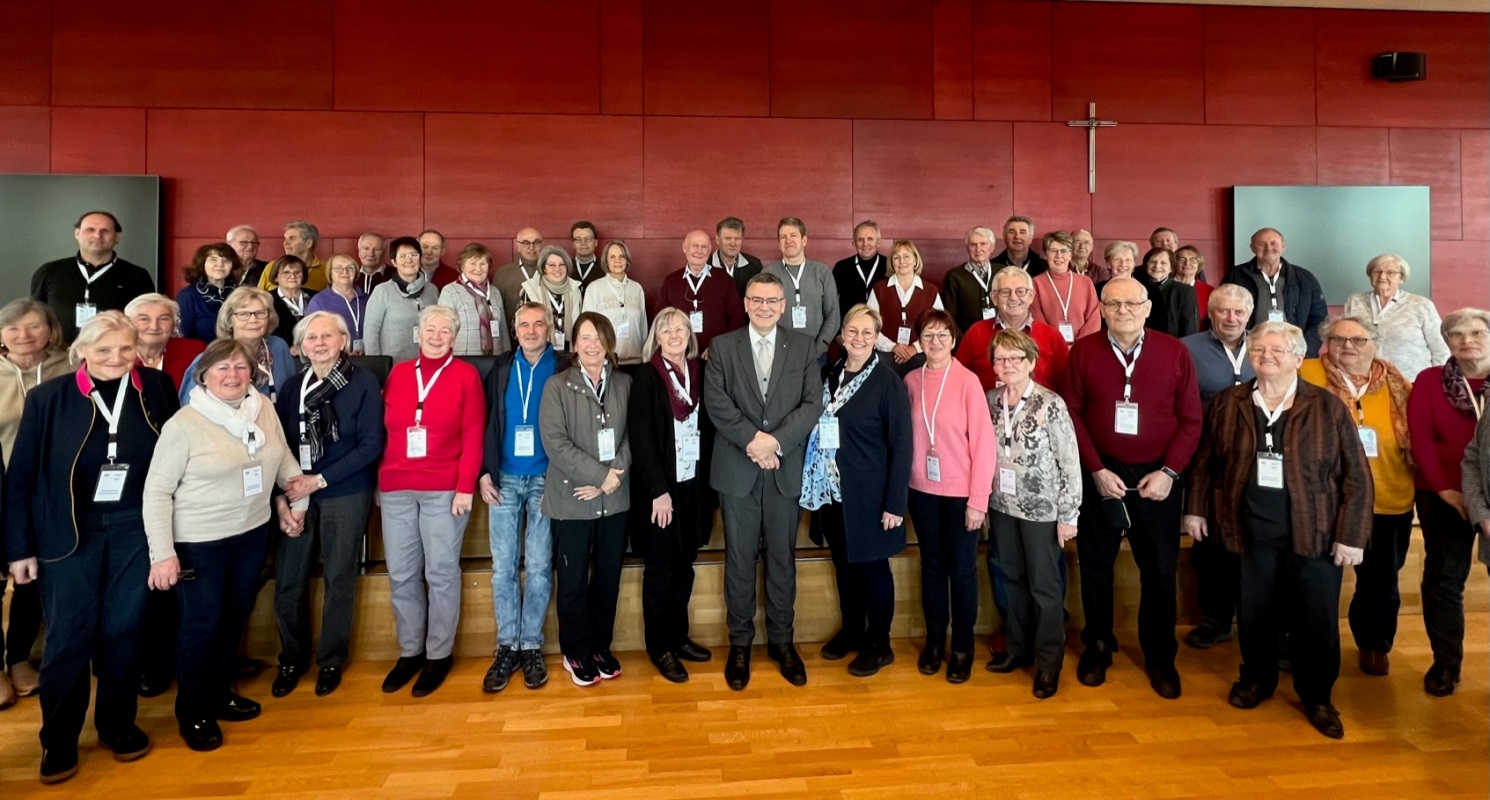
520	624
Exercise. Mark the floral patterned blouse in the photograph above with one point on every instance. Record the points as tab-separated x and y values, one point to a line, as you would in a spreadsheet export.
1044	456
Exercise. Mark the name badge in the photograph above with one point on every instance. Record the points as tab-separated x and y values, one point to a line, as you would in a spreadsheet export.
799	316
1007	480
1368	440
1270	470
496	328
1125	420
1067	332
827	433
688	447
990	313
623	330
558	340
1276	316
253	480
305	457
418	442
357	347
415	329
933	469
111	483
84	312
903	336
522	442
607	444
696	321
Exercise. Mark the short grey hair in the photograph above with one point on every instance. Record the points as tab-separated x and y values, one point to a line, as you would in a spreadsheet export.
1291	333
1388	259
440	311
1328	326
236	228
235	302
554	250
1019	218
665	316
1463	315
307	230
153	299
102	324
1013	272
1113	247
529	305
305	321
372	235
981	230
1232	292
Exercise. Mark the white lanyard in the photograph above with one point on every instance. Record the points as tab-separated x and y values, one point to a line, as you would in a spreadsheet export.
1475	401
599	390
367	280
1010	416
1070	290
21	376
1273	286
685	386
619	293
526	395
693	287
356	315
584	274
838	401
558	305
306	387
796	280
1378	310
89	279
1236	361
424	389
524	271
1274	413
1355	393
931	421
978	276
874	267
1128	367
298	308
113	417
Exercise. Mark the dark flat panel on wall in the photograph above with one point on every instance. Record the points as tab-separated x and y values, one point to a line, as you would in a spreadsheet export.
923	179
1011	60
1138	63
1259	66
871	59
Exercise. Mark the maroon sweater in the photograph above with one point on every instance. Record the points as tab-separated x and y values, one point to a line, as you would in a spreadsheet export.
1440	433
1164	387
717	297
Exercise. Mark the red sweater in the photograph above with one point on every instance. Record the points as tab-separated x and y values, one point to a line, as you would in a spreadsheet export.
1164	387
178	356
973	353
1440	433
717	297
455	426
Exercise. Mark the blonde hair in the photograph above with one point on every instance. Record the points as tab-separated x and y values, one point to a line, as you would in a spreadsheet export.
666	315
235	302
102	324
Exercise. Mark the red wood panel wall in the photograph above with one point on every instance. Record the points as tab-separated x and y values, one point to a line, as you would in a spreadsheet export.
651	117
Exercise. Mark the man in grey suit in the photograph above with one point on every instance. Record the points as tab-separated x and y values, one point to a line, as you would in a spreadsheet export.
763	391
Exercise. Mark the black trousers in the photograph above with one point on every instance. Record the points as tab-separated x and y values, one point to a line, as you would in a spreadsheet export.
162	622
1374	606
866	589
333	530
1303	595
1031	554
1155	541
1216	581
949	567
216	601
590	552
24	624
94	602
667	577
1448	553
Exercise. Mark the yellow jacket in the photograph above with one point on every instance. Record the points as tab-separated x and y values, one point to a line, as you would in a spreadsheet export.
315	279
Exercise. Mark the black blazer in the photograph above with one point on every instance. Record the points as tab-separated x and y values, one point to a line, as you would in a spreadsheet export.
39	520
1175	309
653	443
287	318
874	462
496	407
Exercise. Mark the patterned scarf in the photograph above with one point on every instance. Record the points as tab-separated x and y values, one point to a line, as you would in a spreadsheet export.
682	406
480	292
1398	389
321	424
821	483
1456	387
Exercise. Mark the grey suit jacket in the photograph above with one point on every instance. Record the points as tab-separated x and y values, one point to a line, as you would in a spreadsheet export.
732	396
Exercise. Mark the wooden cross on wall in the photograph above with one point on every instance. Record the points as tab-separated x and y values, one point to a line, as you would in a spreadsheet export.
1091	123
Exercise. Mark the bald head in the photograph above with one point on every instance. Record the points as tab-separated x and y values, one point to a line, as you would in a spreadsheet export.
1125	306
527	243
696	249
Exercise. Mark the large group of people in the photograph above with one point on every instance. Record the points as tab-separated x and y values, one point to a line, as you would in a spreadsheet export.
157	451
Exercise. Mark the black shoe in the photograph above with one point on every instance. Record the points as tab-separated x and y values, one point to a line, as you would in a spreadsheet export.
930	662
870	660
1247	695
287	679
581	670
959	667
671	668
501	671
1046	684
737	671
202	736
1165	682
154	685
127	745
693	651
238	709
607	665
1326	720
1091	670
57	764
1376	663
792	667
1005	662
404	670
1208	634
1440	680
327	680
840	646
247	667
433	675
535	674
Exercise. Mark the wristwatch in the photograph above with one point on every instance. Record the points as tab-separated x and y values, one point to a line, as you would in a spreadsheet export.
1174	476
320	481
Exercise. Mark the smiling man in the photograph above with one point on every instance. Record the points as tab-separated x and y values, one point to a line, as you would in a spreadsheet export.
811	294
1281	291
94	279
857	275
1019	233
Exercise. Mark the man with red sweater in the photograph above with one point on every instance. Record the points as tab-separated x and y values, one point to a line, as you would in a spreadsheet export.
1135	403
710	299
1013	290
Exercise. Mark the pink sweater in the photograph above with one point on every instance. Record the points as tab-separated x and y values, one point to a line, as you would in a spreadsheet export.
965	442
1083	311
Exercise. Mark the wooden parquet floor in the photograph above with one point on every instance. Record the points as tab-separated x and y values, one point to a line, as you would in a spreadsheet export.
897	735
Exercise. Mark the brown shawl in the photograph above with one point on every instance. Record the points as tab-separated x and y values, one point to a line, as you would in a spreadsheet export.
1398	388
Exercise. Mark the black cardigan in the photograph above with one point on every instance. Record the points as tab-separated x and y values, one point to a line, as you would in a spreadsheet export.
649	426
39	518
496	407
874	462
1175	310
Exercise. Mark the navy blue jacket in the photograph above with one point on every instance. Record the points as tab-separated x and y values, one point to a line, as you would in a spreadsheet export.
1303	300
496	407
349	465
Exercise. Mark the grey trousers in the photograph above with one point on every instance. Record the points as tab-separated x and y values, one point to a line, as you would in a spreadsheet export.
1031	554
763	521
334	527
422	541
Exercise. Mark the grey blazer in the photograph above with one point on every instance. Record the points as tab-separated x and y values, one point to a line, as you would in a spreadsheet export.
732	396
569	420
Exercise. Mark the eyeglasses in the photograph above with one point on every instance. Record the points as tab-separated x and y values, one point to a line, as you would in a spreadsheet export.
529	242
344	268
1353	341
764	301
938	336
581	240
1390	273
1050	251
405	256
1005	294
1462	335
1185	260
1131	305
999	361
248	315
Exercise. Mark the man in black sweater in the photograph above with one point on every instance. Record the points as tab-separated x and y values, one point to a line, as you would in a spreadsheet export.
95	279
1019	232
729	239
856	275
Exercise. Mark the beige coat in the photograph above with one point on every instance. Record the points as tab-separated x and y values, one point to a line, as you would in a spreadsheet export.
14	384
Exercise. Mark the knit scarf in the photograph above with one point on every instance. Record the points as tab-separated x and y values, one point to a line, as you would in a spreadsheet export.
409	289
821	481
1456	387
682	405
1398	388
241	423
321	424
480	292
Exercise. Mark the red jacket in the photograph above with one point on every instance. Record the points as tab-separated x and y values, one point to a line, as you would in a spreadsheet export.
178	356
1050	369
454	420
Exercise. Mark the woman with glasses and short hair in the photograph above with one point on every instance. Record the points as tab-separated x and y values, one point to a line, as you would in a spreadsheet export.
248	316
1407	323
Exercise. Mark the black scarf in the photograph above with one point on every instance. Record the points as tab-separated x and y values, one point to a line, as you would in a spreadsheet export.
321	424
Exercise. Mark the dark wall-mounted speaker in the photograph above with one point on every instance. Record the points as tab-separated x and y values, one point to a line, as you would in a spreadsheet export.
1397	67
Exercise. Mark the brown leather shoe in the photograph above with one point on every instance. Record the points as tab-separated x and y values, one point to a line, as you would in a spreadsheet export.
1375	662
25	678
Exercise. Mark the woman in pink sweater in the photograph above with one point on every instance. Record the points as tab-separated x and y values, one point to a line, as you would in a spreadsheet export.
1065	300
952	466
